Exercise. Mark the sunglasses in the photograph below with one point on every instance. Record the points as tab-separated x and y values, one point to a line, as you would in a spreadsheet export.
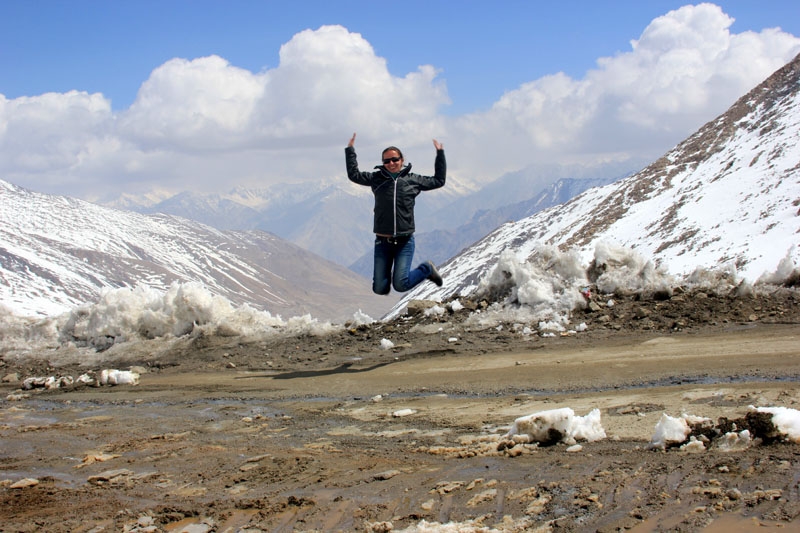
391	160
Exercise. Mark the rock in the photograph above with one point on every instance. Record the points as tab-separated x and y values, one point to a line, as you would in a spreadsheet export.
389	474
16	397
416	307
24	483
97	458
11	378
109	475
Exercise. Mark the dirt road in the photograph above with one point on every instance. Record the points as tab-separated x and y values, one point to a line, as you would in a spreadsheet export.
334	434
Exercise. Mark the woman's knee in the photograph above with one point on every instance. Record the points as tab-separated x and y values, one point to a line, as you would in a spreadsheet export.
400	285
380	288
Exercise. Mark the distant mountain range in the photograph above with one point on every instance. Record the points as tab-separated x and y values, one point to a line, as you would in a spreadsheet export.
727	197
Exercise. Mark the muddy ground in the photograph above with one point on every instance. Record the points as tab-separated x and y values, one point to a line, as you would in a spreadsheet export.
336	433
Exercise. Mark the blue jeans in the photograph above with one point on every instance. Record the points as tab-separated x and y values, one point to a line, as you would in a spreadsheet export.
397	252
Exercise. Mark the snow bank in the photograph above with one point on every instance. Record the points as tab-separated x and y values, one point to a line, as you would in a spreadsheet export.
544	288
548	285
143	313
534	293
785	271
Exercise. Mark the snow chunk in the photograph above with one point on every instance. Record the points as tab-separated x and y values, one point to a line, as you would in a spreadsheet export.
361	319
560	425
669	430
436	310
112	376
693	446
386	344
733	441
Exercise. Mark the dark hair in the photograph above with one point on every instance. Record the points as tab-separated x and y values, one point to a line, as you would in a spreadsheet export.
395	148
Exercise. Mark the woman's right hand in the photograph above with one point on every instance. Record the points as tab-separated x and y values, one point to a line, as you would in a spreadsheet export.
352	141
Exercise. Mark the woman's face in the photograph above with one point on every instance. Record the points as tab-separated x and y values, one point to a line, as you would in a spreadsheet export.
392	161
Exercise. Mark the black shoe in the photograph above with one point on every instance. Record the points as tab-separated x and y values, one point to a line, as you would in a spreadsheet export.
434	276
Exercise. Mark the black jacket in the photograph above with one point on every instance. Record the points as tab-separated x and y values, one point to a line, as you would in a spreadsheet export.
395	198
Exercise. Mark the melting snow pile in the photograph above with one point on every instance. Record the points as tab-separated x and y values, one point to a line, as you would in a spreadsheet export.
689	433
548	285
108	376
695	434
539	291
144	313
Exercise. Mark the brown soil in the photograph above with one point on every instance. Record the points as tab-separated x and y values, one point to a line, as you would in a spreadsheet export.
334	433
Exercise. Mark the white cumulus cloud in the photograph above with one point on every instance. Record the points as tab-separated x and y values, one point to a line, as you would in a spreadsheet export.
205	124
684	69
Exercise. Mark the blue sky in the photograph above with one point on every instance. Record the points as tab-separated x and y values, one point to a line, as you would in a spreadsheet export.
478	52
482	49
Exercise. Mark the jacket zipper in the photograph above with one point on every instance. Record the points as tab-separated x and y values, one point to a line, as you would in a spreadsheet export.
395	206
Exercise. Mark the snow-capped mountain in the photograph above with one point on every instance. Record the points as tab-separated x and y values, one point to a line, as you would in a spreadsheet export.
727	196
57	253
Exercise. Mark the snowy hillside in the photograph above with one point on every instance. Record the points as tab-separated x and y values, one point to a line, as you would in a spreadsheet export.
727	197
57	253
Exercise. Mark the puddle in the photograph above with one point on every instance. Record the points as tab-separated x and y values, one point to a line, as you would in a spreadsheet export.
727	523
735	523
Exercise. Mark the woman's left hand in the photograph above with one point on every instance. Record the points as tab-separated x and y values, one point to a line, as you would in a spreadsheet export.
438	145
